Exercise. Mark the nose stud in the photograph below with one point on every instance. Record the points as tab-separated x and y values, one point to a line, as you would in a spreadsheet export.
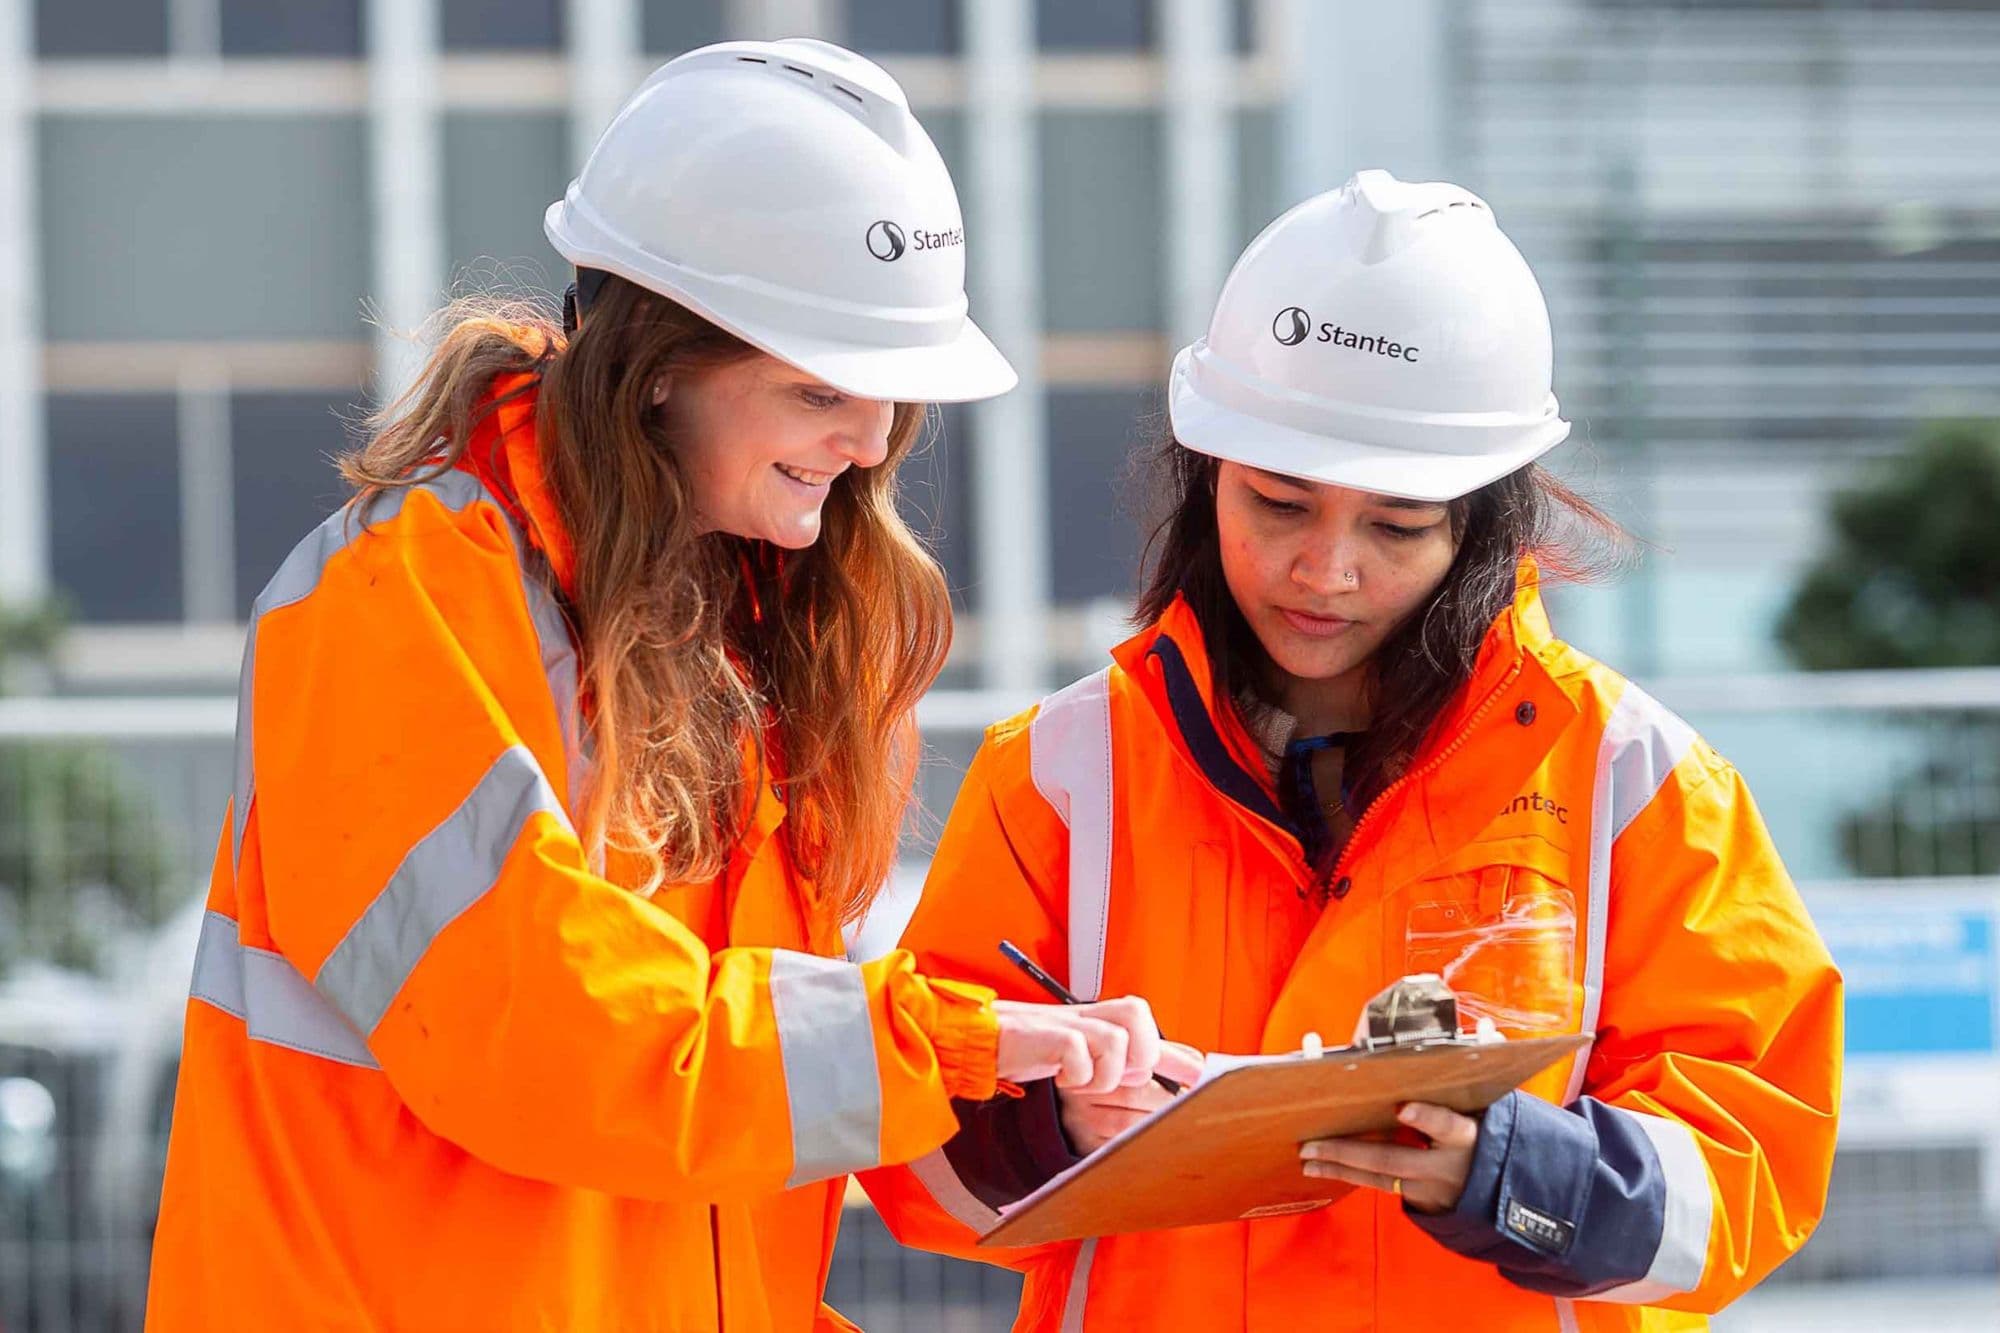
1349	579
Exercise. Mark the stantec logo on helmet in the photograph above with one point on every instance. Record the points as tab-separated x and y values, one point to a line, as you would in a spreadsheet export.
1292	325
887	242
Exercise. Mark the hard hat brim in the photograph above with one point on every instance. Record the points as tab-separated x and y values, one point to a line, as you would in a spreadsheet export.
964	370
1221	431
960	367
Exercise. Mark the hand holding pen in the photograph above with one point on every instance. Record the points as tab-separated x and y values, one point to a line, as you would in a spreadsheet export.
1062	993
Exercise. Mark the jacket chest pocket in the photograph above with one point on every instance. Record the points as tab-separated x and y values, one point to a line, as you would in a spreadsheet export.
1503	937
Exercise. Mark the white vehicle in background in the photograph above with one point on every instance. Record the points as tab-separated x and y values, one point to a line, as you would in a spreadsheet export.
87	1067
59	1040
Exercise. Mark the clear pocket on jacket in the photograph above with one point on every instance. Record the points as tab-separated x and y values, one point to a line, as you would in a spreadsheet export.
1504	939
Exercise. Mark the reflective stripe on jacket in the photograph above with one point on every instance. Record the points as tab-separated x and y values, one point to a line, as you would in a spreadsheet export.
1566	852
439	1073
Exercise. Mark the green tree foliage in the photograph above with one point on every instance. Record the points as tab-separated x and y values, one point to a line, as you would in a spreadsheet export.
1913	575
82	859
27	635
1912	579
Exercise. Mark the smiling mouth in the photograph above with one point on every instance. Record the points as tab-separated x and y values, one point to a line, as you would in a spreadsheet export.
805	478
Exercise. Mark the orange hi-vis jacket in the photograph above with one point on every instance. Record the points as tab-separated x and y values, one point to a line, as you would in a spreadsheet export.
1564	851
441	1074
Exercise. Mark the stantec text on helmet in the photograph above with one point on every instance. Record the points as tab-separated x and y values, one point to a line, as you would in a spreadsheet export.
1293	325
887	241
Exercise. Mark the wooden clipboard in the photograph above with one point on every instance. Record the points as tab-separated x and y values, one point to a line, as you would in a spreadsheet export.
1229	1150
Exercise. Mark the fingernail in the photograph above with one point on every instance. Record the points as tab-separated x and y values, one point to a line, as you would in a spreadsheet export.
1317	1170
1407	1114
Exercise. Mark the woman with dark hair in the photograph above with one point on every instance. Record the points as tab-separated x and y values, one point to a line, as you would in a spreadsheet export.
1346	747
566	750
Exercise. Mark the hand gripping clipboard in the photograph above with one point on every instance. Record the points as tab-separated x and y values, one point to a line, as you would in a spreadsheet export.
1229	1150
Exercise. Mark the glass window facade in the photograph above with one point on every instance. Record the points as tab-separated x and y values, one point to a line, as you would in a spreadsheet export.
935	495
904	27
673	26
282	476
1112	26
501	171
1103	25
290	27
115	506
94	29
177	226
1093	535
1259	176
502	25
1101	229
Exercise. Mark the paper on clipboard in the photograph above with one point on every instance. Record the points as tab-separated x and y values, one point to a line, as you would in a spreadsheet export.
1229	1150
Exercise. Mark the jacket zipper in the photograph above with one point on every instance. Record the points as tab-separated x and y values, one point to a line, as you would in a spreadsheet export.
1345	859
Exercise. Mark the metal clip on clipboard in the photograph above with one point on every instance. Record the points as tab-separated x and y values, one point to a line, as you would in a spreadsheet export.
1416	1011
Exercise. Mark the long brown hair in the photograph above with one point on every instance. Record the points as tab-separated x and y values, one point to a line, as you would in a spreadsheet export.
1424	660
692	643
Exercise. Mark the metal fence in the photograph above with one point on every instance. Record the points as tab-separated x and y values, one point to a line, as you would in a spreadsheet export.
109	811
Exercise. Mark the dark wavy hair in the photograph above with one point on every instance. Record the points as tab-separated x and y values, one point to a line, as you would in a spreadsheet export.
1429	656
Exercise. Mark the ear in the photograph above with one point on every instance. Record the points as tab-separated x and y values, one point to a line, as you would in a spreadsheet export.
661	388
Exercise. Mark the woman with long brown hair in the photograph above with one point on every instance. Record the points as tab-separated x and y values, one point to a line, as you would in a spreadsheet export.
569	746
1345	747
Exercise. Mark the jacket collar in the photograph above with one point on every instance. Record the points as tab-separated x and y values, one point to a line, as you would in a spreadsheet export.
506	456
1490	735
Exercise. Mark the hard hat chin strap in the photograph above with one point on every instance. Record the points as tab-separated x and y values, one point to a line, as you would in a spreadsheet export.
578	296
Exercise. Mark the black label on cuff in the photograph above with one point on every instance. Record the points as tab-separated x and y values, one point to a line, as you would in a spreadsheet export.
1549	1234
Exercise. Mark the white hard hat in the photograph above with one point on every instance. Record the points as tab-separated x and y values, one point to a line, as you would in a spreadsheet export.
1384	336
783	191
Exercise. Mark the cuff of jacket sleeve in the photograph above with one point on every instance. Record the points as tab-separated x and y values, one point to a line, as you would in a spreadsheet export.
1469	1229
1038	1121
1528	1186
966	1036
1008	1148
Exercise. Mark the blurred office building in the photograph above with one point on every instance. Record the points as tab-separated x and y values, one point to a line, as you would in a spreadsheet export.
1769	231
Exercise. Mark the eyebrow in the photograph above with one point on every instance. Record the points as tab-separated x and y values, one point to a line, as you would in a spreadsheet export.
1383	501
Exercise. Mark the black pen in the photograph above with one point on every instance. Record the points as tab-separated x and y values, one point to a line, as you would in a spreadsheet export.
1061	992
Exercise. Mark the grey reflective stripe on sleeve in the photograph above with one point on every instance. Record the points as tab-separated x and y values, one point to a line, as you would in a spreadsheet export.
1683	1252
933	1171
278	1006
559	665
241	790
454	866
1641	744
1078	1294
295	580
1069	758
827	1042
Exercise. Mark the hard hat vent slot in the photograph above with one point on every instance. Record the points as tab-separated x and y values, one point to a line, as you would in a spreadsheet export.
753	60
804	73
1456	203
849	92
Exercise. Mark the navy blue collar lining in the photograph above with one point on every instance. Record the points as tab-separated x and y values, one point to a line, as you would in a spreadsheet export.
1210	753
